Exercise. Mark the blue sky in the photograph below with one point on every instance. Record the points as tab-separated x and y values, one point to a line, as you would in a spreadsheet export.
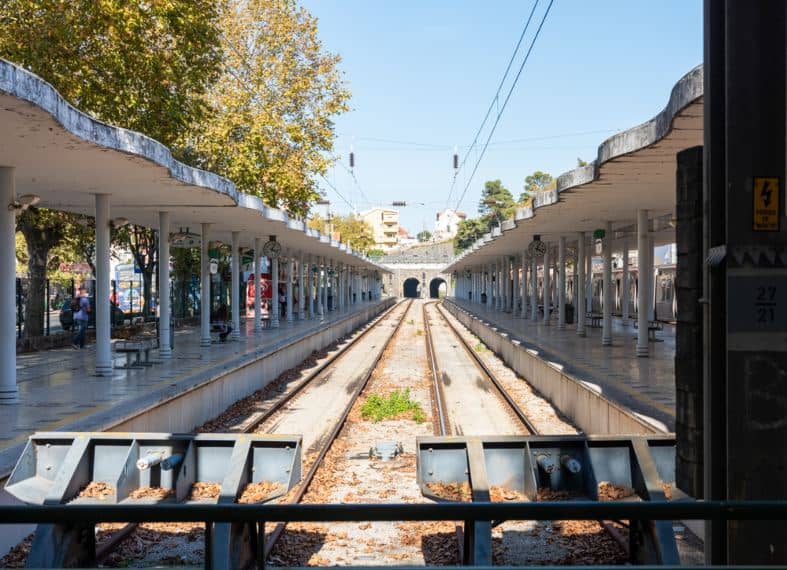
425	72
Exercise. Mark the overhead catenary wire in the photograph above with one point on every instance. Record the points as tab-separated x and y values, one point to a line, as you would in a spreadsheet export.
505	103
494	100
332	187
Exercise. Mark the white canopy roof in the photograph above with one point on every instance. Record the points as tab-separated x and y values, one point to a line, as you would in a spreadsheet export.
634	169
66	157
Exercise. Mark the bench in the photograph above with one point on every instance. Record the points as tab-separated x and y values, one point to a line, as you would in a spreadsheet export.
222	328
653	328
594	320
134	348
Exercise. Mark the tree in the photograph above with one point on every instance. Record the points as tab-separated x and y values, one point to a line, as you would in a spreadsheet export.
536	182
496	204
468	232
424	236
272	127
581	162
141	65
352	230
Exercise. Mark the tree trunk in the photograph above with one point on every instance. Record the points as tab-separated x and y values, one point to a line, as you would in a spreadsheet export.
37	254
147	290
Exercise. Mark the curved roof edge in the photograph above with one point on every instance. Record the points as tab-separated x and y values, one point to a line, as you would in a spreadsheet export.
688	89
27	86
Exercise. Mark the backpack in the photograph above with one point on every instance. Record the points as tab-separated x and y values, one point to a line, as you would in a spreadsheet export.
75	302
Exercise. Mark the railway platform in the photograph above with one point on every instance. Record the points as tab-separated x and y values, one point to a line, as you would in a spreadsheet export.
645	386
59	390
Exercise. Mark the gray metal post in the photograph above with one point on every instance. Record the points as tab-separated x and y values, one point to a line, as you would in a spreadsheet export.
103	326
606	332
9	393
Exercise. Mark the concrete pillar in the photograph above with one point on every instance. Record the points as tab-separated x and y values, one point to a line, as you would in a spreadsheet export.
547	287
289	270
164	316
275	292
9	393
561	293
643	283
308	281
624	294
606	331
205	287
589	276
523	285
235	295
257	288
301	289
515	293
103	329
320	290
579	285
534	288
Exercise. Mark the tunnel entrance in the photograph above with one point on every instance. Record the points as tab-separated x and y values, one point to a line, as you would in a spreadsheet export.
412	288
437	288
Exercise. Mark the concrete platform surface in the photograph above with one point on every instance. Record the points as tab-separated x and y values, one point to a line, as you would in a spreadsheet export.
646	386
58	389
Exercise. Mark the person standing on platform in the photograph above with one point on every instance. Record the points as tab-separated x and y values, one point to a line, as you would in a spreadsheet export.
80	307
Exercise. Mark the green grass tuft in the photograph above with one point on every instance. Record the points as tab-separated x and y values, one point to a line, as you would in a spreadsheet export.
479	347
398	402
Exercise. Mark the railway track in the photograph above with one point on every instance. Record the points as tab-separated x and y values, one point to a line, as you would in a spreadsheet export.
315	447
463	350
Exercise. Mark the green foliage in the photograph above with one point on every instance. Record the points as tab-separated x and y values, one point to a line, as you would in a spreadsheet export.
581	162
468	231
375	253
497	203
397	403
536	182
141	65
352	230
271	130
479	347
424	236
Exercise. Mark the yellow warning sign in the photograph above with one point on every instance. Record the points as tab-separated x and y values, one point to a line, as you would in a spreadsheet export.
765	215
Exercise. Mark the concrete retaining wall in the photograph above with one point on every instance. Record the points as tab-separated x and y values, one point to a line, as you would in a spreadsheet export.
211	397
588	410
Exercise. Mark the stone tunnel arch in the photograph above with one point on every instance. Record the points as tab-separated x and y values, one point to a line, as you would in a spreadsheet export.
412	288
438	288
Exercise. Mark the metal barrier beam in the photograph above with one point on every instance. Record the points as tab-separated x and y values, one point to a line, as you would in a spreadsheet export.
58	468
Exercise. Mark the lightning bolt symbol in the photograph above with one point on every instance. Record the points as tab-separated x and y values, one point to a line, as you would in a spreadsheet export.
766	194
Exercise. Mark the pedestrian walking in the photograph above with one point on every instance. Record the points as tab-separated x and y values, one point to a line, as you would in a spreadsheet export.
80	307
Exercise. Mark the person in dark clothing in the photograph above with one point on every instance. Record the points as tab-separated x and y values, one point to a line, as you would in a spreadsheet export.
222	322
80	307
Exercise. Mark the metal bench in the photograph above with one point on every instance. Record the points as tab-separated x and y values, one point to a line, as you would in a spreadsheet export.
594	320
134	349
653	328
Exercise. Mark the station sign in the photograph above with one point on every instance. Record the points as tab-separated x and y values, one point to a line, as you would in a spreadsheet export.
766	211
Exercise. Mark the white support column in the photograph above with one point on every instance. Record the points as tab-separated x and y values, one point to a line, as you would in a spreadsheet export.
9	392
275	292
301	289
606	331
103	330
257	287
534	288
164	316
547	294
308	282
235	296
561	293
523	286
205	287
515	288
589	276
579	285
624	294
643	283
320	289
289	268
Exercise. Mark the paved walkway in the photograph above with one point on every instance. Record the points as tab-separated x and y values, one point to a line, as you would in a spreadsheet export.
58	389
645	385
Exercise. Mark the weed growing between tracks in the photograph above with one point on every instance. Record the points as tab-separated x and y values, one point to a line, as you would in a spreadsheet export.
397	404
